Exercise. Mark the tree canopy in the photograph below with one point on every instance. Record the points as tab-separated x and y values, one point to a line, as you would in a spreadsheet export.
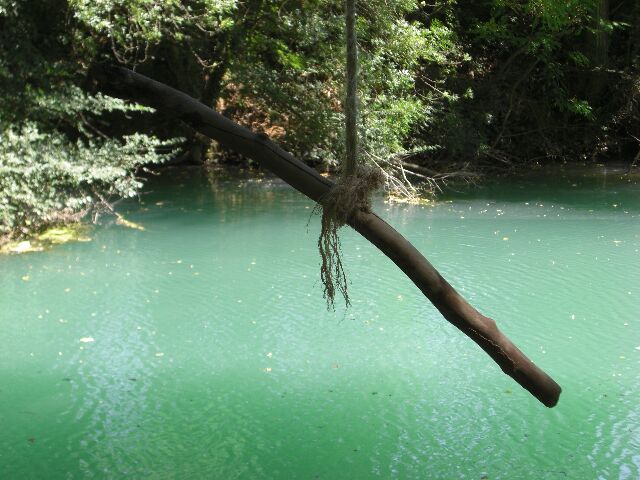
446	86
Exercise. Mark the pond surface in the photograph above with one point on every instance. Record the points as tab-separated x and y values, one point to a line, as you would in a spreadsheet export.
202	347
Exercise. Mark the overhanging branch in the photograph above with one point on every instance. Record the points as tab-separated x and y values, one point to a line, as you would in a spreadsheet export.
124	83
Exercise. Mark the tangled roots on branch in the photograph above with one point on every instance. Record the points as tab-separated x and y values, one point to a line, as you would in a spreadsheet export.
346	197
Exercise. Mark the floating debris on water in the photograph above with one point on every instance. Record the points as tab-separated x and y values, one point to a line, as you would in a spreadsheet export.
21	247
129	224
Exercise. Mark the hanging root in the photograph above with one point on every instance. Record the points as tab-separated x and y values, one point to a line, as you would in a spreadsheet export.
347	196
353	191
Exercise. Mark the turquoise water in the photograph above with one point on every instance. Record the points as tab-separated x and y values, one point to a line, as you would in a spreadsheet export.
202	348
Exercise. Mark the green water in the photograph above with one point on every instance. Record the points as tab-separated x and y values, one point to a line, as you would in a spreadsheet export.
213	355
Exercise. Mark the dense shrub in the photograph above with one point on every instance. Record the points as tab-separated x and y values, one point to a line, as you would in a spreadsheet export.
45	179
61	153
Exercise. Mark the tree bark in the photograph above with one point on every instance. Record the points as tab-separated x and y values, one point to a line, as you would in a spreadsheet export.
482	330
599	50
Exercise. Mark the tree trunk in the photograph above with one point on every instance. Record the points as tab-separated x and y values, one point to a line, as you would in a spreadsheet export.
599	50
126	84
634	36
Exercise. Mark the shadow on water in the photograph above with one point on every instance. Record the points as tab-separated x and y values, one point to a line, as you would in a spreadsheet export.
197	192
588	188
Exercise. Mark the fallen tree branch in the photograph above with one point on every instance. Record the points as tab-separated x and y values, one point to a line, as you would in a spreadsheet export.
127	84
464	174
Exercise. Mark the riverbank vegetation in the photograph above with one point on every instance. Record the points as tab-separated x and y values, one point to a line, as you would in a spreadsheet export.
449	89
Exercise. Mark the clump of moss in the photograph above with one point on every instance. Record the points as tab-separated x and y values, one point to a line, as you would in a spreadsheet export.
48	238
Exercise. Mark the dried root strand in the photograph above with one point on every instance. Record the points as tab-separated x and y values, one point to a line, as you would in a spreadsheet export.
331	269
350	194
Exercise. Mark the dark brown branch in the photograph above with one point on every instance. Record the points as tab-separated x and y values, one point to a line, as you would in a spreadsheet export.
126	84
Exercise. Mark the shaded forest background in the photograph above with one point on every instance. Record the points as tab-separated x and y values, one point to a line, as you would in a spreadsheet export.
449	88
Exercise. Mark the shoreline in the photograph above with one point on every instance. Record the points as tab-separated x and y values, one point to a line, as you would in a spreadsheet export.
614	172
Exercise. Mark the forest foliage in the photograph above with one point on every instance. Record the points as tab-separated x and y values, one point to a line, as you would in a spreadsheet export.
450	86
